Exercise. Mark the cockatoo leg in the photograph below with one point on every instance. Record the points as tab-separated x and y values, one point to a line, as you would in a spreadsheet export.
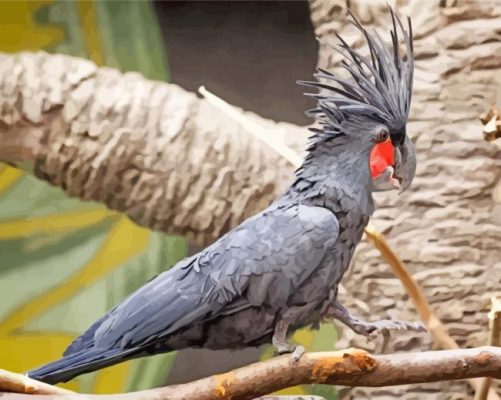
371	329
281	344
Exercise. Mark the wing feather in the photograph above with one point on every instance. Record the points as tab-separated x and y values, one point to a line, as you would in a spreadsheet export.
261	261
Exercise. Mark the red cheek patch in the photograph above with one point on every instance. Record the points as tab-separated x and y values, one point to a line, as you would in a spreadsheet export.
382	156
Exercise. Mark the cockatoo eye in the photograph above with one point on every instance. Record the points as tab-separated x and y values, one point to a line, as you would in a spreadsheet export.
381	136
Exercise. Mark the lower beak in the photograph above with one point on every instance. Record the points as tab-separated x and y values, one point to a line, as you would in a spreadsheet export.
396	184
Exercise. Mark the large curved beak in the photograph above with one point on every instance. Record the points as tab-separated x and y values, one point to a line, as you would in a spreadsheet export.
405	163
398	176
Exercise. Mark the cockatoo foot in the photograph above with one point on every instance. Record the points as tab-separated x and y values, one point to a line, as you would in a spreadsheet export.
372	329
386	326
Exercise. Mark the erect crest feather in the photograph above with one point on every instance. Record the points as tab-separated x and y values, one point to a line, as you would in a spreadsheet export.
379	87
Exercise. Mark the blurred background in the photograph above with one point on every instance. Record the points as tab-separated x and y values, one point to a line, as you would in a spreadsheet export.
65	262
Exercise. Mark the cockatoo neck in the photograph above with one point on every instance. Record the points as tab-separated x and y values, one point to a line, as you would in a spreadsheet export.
336	173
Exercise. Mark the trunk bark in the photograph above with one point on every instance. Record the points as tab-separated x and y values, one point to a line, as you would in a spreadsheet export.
169	160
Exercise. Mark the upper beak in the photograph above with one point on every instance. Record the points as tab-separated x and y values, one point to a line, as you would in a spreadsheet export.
405	163
398	176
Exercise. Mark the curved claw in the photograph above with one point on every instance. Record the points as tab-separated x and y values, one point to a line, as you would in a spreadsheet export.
297	353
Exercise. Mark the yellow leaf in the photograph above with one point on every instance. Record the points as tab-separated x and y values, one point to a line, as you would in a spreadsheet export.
23	351
53	223
19	31
9	176
26	350
87	13
124	241
112	379
304	337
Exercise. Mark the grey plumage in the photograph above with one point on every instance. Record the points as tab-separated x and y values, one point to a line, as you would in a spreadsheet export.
279	270
379	88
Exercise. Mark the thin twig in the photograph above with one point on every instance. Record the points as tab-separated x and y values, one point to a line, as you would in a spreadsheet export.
277	138
11	382
433	324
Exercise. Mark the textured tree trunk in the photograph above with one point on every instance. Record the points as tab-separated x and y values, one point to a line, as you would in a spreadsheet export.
447	228
168	159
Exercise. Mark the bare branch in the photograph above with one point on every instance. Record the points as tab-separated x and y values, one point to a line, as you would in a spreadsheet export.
11	382
347	368
168	159
433	324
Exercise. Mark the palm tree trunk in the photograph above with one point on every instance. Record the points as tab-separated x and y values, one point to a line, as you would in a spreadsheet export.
169	160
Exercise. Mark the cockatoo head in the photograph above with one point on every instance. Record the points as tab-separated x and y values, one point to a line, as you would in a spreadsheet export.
370	106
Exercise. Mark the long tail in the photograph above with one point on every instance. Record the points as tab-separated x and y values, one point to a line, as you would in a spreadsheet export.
78	363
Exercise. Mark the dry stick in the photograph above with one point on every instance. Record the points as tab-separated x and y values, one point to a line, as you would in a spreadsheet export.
274	139
433	324
128	158
495	326
347	368
12	382
350	367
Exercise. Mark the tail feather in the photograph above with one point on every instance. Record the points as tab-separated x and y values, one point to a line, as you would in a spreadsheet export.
78	363
86	340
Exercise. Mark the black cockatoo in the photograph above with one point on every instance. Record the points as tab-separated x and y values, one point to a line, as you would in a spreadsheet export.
279	270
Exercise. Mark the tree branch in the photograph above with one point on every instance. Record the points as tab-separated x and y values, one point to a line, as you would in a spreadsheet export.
433	324
17	383
347	368
169	160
